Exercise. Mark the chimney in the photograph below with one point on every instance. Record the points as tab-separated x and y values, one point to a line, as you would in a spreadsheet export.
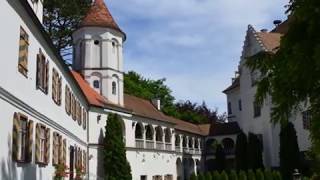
156	103
264	30
277	22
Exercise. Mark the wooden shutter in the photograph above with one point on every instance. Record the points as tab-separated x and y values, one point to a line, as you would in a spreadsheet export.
29	141
67	100
60	150
37	153
84	161
46	77
79	112
54	149
64	151
73	107
15	129
39	74
54	85
84	118
23	52
59	90
47	148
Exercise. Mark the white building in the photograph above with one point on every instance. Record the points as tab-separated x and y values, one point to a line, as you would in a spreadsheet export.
241	103
55	115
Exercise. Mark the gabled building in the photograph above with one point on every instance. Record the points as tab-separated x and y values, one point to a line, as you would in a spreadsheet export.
252	117
54	114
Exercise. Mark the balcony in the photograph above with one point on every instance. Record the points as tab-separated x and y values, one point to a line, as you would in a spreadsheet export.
168	146
139	143
178	149
229	151
159	145
149	144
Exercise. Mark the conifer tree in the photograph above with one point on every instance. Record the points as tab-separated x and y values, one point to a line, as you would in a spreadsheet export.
208	176
116	165
268	174
254	152
259	175
216	175
276	175
242	175
193	177
233	175
201	176
220	158
251	175
289	151
224	176
241	151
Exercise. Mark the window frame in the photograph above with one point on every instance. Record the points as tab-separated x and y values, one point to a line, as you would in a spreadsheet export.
22	136
114	88
256	109
23	36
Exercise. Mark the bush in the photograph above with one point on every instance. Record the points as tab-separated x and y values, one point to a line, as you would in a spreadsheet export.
268	174
305	178
201	176
208	176
315	177
216	175
242	175
259	175
276	175
241	151
193	177
233	175
224	176
251	175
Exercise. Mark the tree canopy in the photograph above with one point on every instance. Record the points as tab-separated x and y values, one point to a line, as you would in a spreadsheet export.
137	85
291	75
60	19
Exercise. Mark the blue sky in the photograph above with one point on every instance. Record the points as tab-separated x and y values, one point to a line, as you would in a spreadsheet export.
194	44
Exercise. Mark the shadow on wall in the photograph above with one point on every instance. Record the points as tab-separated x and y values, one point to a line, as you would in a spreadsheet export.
9	170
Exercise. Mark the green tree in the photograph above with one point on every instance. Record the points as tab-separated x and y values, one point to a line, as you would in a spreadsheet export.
193	177
233	175
216	175
276	175
289	151
220	158
201	176
208	176
251	175
268	174
115	162
60	20
224	176
259	174
242	175
241	151
291	73
254	152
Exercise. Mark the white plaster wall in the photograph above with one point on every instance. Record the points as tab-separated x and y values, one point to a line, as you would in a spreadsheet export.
233	97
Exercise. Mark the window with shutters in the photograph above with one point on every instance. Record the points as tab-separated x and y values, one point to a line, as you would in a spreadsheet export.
23	52
73	107
42	139
84	161
56	87
42	72
78	109
67	100
22	138
42	144
84	118
56	149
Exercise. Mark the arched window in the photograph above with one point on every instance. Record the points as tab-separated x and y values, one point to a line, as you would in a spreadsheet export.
114	45
184	141
149	132
167	135
96	84
177	140
190	143
211	145
196	143
114	88
228	145
139	131
159	134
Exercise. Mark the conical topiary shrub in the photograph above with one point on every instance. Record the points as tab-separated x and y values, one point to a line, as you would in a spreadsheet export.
276	175
216	175
233	175
224	176
259	174
267	175
201	176
242	175
251	175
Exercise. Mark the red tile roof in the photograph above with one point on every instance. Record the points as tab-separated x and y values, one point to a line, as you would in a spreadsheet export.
271	41
235	84
99	16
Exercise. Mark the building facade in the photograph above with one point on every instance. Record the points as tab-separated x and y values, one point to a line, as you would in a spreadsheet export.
55	114
252	117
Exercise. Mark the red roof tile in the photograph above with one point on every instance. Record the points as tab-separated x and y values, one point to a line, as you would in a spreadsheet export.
99	16
271	41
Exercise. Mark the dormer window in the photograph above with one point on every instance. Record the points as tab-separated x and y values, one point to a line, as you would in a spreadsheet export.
96	84
114	88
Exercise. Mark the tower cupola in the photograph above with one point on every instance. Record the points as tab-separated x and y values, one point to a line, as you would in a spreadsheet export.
98	52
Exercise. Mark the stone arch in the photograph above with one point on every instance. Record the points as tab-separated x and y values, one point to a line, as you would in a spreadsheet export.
228	145
167	135
190	142
184	141
159	134
139	131
179	169
177	140
149	132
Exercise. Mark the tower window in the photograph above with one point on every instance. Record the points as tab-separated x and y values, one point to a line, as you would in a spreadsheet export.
114	88
96	84
96	42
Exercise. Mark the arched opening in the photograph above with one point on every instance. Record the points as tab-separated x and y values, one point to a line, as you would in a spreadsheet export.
198	166
211	145
190	143
149	137
114	88
196	144
184	142
139	135
179	169
159	134
167	136
139	131
177	140
228	146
